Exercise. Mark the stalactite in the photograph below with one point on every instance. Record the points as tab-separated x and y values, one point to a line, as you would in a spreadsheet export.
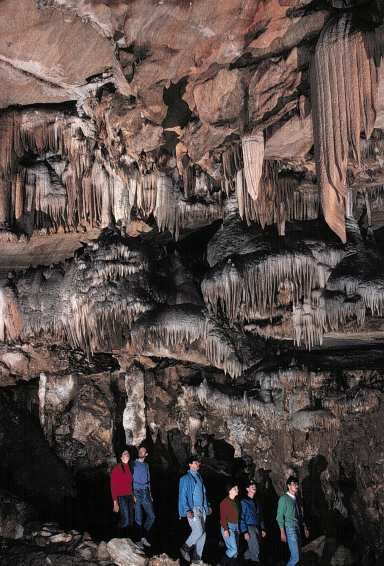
309	324
10	317
253	157
232	162
344	88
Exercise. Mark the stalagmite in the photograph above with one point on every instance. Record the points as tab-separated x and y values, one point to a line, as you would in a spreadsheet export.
42	397
134	421
344	88
3	314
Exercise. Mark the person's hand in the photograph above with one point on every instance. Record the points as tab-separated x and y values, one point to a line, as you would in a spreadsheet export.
263	534
246	536
283	536
134	499
306	532
115	507
190	514
209	511
226	533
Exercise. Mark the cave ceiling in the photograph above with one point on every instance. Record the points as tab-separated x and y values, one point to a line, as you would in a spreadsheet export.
193	180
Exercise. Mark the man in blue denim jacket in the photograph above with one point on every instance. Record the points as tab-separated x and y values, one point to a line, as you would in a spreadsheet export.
252	523
193	504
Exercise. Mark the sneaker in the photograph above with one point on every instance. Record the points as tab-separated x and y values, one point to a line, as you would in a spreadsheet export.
184	551
145	542
140	545
197	562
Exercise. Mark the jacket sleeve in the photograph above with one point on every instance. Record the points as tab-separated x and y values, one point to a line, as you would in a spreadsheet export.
281	508
184	506
243	517
223	515
113	484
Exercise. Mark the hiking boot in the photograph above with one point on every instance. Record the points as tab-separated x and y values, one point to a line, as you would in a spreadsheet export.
185	552
145	542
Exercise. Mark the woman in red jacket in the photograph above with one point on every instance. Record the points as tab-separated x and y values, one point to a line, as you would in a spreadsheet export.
121	489
229	520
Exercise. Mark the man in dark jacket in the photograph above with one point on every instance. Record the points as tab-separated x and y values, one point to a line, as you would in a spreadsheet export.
193	504
252	523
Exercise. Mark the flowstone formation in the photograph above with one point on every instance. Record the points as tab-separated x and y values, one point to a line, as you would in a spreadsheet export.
192	230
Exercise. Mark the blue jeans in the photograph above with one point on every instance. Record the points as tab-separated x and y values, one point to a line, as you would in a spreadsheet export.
231	542
294	542
144	504
197	536
126	510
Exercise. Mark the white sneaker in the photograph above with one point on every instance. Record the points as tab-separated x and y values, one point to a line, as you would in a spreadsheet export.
145	542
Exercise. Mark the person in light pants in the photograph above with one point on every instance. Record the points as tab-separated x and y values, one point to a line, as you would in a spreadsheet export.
194	506
291	520
229	521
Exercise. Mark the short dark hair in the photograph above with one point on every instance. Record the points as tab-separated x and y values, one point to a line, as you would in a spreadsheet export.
193	458
292	479
249	483
230	484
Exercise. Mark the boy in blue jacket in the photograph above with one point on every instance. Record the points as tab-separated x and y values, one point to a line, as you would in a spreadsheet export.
252	523
193	504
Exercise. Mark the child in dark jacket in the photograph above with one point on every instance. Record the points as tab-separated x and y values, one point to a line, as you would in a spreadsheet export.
252	523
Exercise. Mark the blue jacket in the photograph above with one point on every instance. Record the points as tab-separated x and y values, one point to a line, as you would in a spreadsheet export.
251	514
186	489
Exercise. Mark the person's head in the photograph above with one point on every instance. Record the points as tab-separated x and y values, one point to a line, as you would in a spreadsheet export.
250	488
125	457
143	453
194	463
292	485
232	490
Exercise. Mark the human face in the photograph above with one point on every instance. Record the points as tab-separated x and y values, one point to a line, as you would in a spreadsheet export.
251	491
194	466
233	492
143	453
125	457
293	488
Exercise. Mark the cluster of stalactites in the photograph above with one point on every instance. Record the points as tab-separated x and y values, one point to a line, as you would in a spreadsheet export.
231	406
72	185
91	302
185	326
250	284
344	86
266	194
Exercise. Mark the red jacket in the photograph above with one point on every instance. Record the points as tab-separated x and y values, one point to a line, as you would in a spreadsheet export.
121	481
229	512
